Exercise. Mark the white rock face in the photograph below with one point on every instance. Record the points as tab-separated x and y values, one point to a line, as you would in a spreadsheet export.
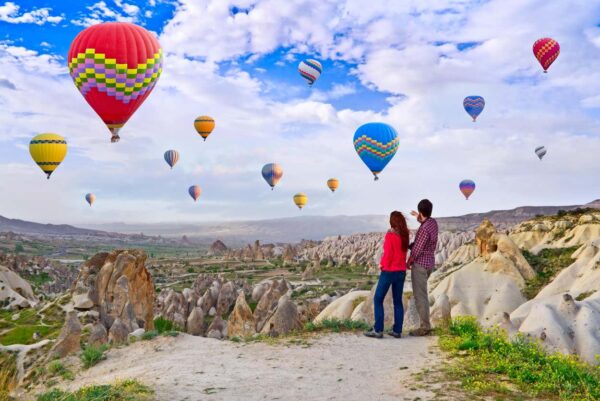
342	307
14	291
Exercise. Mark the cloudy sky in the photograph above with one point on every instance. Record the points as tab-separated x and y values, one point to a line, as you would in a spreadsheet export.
408	63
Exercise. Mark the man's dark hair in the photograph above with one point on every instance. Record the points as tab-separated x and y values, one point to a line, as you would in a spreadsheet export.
425	207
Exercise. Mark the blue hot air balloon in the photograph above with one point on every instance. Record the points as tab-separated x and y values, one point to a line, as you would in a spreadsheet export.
467	187
474	106
171	157
272	173
376	144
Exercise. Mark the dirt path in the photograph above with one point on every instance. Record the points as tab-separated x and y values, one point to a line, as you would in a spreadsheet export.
333	367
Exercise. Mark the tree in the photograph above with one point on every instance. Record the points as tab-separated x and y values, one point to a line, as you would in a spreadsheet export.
19	248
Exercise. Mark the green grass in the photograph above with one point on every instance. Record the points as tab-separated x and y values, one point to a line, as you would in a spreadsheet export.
8	373
24	334
128	390
38	280
91	355
56	368
162	326
547	264
336	326
488	363
149	335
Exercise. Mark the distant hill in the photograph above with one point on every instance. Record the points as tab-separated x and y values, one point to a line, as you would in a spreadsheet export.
27	227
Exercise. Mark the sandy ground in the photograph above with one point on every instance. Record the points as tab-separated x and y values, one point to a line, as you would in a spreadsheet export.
332	367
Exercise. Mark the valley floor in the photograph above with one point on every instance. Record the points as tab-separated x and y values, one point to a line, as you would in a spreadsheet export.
332	367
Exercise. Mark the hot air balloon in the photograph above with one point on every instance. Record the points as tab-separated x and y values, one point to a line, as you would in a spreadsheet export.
376	144
90	198
195	191
300	199
546	50
540	151
474	106
171	157
272	173
115	66
48	151
204	126
467	187
310	70
333	184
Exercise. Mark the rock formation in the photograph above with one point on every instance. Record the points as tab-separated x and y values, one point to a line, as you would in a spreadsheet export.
241	321
69	337
284	319
217	248
217	329
268	302
15	292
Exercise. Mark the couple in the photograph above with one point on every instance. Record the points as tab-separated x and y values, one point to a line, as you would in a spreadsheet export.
393	269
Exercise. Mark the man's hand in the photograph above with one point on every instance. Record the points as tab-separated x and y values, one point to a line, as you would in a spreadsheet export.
414	214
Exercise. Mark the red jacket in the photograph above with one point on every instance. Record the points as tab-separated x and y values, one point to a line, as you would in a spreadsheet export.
394	256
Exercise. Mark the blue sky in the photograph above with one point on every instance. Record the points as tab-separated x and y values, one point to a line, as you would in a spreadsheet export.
409	64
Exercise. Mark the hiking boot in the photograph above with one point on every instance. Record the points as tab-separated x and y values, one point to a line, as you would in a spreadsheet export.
373	334
420	332
394	334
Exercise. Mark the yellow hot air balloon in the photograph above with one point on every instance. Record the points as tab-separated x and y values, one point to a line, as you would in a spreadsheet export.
48	151
333	184
204	125
300	199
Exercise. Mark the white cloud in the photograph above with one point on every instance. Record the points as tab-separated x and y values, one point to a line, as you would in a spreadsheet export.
100	12
9	12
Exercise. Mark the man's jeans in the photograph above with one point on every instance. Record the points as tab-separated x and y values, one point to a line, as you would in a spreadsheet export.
419	276
396	281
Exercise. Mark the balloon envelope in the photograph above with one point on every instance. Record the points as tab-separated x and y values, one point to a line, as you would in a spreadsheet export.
48	151
467	187
195	191
310	70
300	199
90	198
171	157
376	144
474	106
204	126
115	66
546	50
540	151
333	184
272	173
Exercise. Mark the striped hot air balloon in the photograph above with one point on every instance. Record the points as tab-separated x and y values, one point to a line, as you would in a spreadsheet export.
376	144
546	50
300	199
540	151
310	70
90	198
272	173
195	191
48	151
115	66
467	187
171	157
204	126
333	184
474	106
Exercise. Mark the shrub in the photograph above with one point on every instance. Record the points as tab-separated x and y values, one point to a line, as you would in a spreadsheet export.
91	355
56	368
336	325
161	325
128	390
149	335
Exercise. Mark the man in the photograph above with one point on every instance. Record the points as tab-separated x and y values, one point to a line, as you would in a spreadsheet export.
422	262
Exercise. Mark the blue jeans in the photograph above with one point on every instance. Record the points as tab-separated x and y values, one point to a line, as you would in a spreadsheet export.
396	281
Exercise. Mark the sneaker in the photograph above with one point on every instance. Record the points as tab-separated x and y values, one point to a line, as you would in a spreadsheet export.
420	332
394	334
373	334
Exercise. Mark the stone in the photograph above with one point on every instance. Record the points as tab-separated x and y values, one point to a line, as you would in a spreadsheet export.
82	301
98	335
260	289
137	334
195	322
68	341
343	307
217	329
441	312
226	298
285	319
268	302
241	320
118	332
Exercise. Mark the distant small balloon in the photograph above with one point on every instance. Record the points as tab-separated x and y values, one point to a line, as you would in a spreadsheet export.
467	187
300	199
474	106
195	191
204	126
310	70
333	184
540	151
171	157
272	173
546	50
90	198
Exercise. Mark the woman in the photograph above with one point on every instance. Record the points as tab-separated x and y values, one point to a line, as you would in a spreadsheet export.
393	272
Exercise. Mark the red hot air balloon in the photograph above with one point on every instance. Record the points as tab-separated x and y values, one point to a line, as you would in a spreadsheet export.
546	50
115	66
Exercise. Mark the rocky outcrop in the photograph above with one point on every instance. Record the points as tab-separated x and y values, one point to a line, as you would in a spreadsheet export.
241	321
226	298
98	335
285	318
15	293
268	302
68	341
217	248
195	322
217	329
118	287
343	307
